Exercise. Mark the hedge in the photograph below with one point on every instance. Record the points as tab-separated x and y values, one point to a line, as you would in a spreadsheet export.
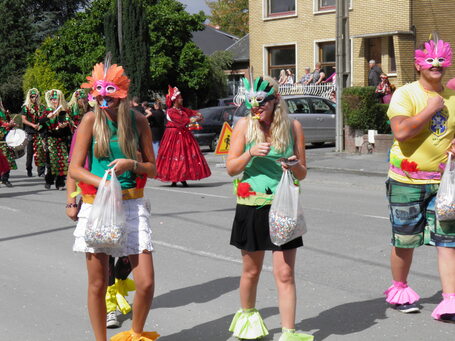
362	111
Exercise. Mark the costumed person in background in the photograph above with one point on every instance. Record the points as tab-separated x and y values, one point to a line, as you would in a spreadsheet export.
6	124
111	137
78	106
31	113
422	118
55	123
258	142
384	89
179	157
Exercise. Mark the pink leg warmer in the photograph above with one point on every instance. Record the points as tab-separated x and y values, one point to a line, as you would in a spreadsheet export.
447	306
401	293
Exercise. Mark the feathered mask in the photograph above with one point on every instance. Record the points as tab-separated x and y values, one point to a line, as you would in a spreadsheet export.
437	53
172	94
260	93
108	80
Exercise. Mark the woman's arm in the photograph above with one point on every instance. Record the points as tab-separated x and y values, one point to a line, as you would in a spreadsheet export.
299	170
83	143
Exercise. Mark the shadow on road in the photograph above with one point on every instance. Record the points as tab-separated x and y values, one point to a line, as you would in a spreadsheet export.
345	319
27	235
215	330
200	293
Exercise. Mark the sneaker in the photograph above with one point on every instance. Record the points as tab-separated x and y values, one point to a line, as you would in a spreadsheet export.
111	320
407	308
448	318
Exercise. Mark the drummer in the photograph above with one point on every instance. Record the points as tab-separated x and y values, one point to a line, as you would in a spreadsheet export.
6	124
31	112
55	122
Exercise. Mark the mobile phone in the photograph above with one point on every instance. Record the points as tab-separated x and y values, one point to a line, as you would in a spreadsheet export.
288	162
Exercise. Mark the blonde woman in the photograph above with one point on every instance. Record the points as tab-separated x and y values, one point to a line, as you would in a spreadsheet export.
111	137
258	142
283	77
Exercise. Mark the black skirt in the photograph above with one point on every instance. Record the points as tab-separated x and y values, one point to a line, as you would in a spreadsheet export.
250	230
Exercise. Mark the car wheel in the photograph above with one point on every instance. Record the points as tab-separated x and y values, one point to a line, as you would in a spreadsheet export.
213	144
317	144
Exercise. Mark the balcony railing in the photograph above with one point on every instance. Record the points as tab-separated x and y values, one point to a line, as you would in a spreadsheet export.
323	90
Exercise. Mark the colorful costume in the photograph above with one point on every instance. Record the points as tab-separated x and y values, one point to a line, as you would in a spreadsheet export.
179	157
55	129
7	151
415	173
78	110
250	230
32	111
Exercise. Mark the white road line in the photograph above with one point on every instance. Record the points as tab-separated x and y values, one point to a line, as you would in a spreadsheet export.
353	213
205	254
188	192
9	209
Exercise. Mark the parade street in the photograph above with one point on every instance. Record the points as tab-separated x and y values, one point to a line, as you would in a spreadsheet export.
341	272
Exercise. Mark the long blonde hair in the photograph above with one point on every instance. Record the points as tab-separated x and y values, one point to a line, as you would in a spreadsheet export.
28	101
61	99
127	139
280	128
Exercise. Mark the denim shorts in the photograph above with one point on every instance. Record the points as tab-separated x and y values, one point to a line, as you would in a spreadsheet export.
412	214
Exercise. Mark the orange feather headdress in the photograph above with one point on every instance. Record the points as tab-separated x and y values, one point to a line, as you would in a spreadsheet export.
108	80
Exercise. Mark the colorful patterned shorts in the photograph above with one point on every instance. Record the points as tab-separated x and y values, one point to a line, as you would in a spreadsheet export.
413	217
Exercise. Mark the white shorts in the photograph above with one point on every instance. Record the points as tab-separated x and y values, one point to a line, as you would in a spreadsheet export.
138	229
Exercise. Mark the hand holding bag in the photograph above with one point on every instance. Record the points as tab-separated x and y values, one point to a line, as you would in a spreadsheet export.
286	220
445	199
106	222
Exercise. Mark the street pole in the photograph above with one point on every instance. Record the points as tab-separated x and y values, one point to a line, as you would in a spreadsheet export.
343	65
119	27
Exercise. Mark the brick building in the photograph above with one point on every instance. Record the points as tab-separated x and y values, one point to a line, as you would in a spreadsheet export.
297	33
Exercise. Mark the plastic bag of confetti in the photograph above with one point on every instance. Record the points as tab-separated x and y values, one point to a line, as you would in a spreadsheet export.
286	221
106	221
445	199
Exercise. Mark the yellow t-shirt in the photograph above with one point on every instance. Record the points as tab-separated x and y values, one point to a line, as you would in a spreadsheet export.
428	148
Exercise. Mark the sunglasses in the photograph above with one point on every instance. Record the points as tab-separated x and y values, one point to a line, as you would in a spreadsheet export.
33	96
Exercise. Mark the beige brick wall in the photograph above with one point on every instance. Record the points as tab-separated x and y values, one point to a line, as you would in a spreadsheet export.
372	16
435	15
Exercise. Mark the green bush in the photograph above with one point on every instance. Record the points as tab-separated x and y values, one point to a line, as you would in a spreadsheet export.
362	111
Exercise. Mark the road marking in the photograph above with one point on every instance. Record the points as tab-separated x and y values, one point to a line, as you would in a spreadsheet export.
188	192
205	254
9	209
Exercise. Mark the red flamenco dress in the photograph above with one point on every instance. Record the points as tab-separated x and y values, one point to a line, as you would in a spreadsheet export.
179	157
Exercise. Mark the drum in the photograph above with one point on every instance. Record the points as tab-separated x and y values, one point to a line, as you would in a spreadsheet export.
17	139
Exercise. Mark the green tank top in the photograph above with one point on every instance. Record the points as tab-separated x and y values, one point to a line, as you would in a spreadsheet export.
264	173
99	166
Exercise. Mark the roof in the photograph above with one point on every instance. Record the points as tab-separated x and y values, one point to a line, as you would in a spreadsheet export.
210	40
241	49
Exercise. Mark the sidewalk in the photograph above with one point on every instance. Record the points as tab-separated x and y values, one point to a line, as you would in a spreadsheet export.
366	164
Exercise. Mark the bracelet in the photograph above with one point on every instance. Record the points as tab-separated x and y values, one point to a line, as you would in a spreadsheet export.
135	165
249	152
71	204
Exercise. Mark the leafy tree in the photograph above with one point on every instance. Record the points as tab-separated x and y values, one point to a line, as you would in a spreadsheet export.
71	52
216	86
230	15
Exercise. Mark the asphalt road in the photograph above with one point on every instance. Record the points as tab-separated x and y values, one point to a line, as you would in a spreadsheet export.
341	271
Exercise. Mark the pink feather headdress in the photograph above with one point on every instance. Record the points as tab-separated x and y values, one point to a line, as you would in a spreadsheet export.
438	54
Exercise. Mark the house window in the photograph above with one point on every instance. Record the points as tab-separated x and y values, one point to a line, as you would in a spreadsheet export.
280	7
325	5
327	57
281	58
392	62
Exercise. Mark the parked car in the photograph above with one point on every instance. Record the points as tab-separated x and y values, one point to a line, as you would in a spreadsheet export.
225	101
214	117
316	114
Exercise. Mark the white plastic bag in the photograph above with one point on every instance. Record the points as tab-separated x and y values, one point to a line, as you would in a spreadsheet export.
286	221
445	199
106	221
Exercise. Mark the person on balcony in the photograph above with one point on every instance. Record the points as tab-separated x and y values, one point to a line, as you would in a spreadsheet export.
283	77
318	75
306	77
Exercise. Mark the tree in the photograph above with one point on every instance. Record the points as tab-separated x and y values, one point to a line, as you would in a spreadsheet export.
230	15
135	52
216	86
70	54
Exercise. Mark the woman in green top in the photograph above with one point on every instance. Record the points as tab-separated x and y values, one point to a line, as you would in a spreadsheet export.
116	138
258	142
